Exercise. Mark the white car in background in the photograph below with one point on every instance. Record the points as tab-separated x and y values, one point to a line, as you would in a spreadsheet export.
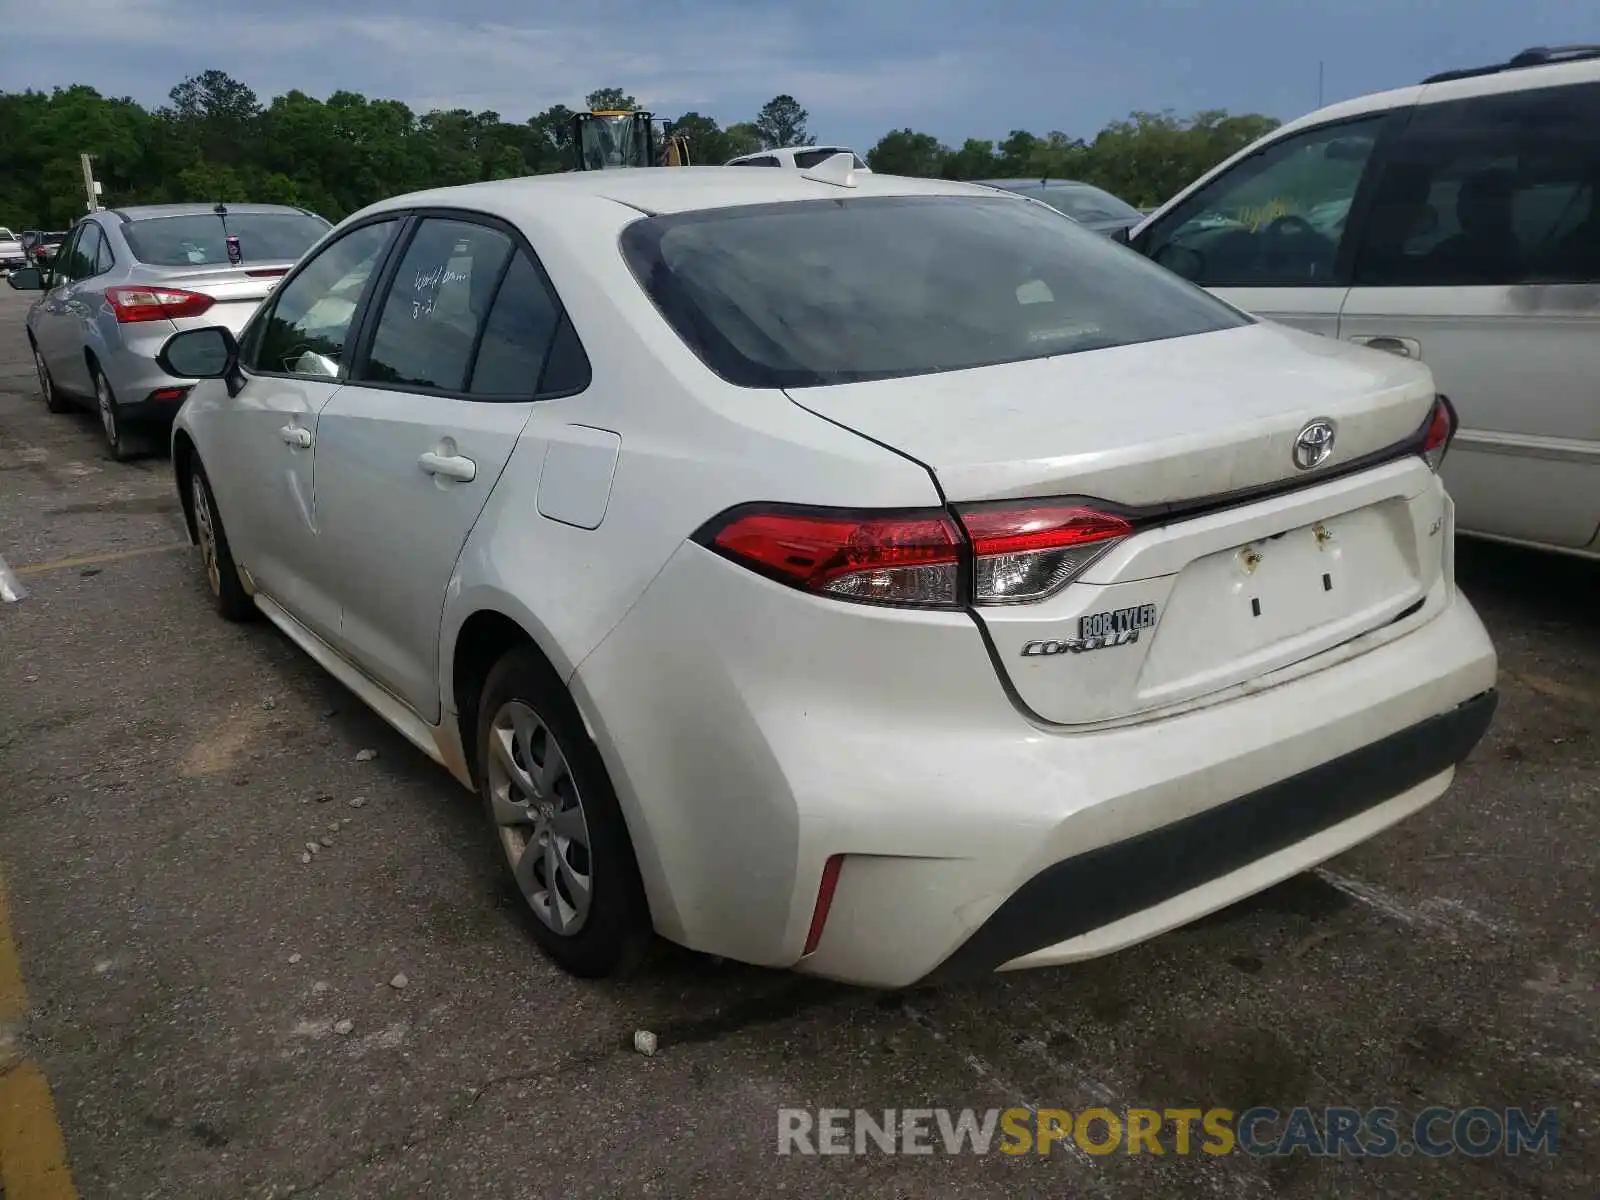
1456	222
882	577
801	158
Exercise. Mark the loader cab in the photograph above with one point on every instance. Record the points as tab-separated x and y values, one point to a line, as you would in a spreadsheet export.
609	140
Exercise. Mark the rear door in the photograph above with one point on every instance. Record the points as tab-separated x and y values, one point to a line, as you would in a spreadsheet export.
1481	257
409	452
1268	234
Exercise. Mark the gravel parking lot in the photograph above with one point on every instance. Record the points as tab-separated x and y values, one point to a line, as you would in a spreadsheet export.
188	976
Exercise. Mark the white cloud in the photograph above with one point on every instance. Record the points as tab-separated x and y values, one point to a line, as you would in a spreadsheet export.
670	61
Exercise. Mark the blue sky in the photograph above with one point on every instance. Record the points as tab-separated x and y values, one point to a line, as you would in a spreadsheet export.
954	70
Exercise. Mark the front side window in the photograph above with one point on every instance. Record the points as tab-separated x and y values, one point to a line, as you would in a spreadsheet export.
69	262
201	239
1276	219
307	329
817	292
1493	190
436	305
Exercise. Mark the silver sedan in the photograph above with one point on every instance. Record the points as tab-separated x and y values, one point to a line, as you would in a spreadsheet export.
126	279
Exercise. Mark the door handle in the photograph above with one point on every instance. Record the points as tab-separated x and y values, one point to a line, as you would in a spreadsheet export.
293	435
1404	347
449	466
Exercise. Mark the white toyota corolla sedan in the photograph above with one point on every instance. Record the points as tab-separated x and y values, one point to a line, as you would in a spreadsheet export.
885	578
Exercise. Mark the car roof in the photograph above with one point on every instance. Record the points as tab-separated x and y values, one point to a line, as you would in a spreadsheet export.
141	212
653	190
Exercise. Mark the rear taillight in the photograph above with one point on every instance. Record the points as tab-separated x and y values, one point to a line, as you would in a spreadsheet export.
1025	552
134	304
1439	432
911	558
1013	553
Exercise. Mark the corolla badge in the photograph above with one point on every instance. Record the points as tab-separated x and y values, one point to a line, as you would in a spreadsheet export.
1313	444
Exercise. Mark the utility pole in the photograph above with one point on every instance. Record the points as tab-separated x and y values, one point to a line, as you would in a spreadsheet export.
91	187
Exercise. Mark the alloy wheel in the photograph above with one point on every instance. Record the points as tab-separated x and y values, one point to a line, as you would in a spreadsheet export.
45	388
206	530
108	409
539	816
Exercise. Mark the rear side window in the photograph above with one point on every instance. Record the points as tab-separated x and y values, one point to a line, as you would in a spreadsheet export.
834	291
516	338
436	305
201	240
1493	190
85	252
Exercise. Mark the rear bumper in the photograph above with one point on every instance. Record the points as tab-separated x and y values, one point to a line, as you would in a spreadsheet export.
753	732
1044	918
128	358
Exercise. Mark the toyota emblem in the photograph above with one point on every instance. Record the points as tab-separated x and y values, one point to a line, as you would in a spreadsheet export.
1314	444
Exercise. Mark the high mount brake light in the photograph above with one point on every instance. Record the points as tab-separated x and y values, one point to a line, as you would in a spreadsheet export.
1018	552
135	304
1028	551
1439	432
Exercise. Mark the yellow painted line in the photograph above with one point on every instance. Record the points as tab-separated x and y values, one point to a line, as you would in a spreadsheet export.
89	560
33	1154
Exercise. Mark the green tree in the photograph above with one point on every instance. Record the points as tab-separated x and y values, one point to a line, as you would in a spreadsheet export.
709	144
782	122
614	99
743	138
906	152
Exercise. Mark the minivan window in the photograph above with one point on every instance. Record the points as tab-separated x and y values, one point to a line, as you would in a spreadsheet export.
1276	219
201	239
810	293
1493	191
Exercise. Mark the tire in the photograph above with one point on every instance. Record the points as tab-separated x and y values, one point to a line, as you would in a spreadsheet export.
527	711
47	386
122	444
227	592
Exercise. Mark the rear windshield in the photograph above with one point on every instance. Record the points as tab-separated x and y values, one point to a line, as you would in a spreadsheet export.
201	240
835	291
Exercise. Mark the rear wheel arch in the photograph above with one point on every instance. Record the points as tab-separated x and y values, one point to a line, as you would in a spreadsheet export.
482	640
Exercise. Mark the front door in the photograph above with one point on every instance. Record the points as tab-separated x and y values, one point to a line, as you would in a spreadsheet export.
409	451
294	357
59	325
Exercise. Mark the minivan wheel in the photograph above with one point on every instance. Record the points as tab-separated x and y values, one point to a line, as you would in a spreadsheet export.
556	821
222	576
47	387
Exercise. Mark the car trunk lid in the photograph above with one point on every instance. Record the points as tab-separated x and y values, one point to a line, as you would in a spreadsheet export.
1237	561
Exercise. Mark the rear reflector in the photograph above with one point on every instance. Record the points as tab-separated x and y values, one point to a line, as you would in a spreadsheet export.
1440	432
1025	552
819	915
907	558
168	394
135	304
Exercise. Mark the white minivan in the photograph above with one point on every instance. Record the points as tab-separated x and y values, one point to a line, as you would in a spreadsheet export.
1457	222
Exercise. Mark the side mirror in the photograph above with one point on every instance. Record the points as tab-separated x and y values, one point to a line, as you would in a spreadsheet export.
209	353
27	279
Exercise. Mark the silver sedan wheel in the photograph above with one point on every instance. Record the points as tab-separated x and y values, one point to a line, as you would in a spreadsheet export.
45	387
206	530
108	410
539	815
